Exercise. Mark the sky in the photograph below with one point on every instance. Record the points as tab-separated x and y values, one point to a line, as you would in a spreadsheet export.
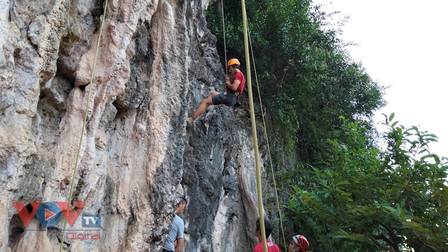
403	45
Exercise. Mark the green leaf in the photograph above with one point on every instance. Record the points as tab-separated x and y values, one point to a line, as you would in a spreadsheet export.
355	237
391	117
342	183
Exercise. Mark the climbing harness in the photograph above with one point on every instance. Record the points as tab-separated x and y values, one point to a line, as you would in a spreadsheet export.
85	120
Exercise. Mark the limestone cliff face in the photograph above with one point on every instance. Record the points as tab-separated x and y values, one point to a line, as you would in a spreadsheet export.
157	61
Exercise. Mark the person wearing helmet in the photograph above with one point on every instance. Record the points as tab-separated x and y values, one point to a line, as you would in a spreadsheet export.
298	244
234	87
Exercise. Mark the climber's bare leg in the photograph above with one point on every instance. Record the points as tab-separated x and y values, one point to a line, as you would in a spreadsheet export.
204	104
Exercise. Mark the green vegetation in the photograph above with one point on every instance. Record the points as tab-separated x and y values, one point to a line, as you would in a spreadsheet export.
307	78
344	193
369	200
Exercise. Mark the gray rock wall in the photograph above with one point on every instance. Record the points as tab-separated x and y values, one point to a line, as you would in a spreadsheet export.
157	61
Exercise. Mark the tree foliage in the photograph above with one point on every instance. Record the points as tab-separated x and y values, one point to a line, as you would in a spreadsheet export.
372	200
348	195
307	78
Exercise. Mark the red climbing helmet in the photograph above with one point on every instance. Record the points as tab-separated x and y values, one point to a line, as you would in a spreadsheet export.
233	62
302	242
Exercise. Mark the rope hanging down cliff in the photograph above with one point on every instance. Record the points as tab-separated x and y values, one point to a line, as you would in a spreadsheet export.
85	119
247	34
269	148
254	129
252	113
224	33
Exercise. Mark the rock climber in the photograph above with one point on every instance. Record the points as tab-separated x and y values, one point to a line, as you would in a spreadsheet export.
272	247
234	88
298	244
175	239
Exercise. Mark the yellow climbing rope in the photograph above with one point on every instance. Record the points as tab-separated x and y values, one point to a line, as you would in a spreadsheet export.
84	121
254	129
267	142
262	113
252	114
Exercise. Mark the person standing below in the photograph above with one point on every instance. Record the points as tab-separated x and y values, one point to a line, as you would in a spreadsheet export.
298	244
234	87
272	247
175	239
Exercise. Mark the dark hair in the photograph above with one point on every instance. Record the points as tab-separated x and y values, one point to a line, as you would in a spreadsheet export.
182	200
267	226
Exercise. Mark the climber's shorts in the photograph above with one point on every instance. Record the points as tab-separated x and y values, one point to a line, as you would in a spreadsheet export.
228	99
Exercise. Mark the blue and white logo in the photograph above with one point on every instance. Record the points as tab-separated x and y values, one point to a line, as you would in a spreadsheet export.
48	214
91	220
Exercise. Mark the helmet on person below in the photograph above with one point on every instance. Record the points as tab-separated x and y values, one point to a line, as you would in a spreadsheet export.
302	242
233	62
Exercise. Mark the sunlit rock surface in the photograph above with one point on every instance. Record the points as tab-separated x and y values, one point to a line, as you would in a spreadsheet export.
157	60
